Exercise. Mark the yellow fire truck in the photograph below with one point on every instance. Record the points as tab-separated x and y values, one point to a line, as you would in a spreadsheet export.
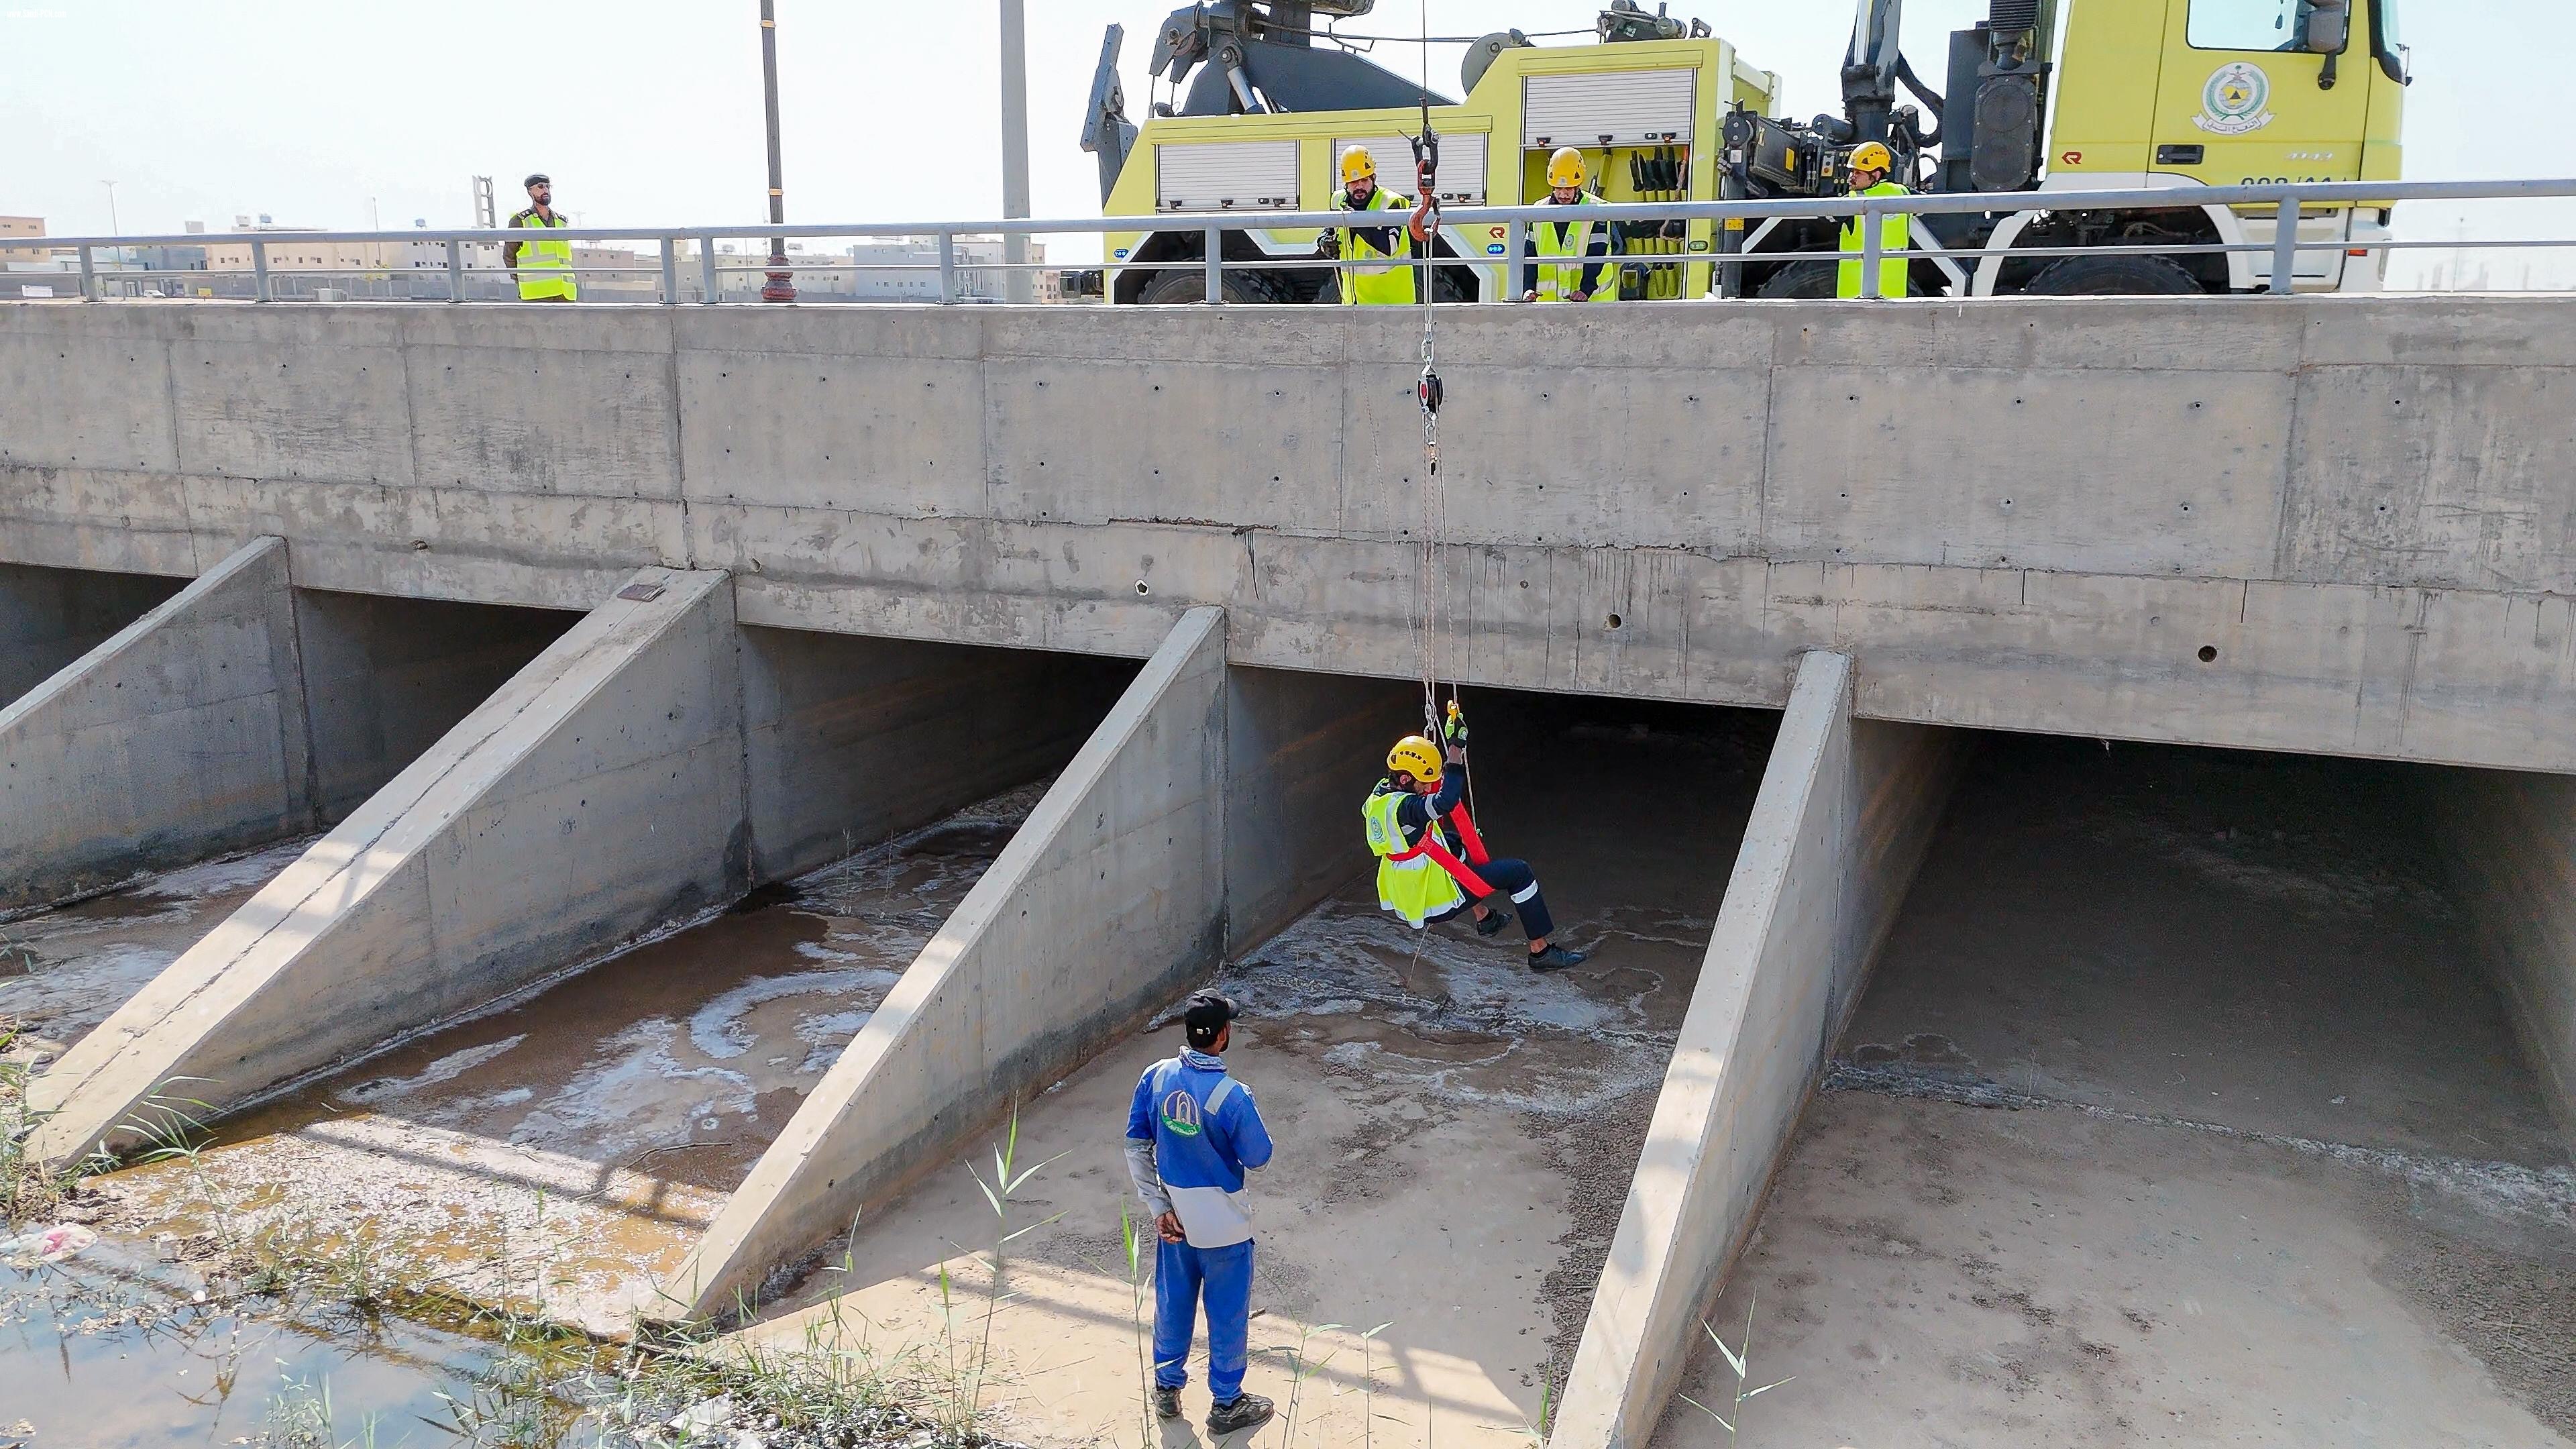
2042	96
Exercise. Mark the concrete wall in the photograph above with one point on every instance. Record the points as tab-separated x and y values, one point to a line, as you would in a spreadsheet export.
596	795
2510	841
1302	751
850	740
384	678
183	736
1107	903
2033	514
50	617
1845	812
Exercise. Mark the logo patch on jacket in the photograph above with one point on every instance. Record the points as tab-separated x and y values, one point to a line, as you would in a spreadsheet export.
1181	1113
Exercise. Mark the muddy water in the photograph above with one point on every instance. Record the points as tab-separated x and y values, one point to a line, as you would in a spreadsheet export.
117	1350
65	970
1455	1132
2180	1110
566	1151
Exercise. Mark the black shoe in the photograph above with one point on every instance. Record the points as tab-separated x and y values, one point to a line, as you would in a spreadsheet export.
1555	958
1167	1402
1249	1411
1493	923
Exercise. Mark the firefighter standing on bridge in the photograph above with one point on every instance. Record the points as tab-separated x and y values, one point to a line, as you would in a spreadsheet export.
1870	163
1552	278
1379	259
544	268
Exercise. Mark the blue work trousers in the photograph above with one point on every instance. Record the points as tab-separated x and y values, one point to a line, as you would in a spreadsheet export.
1224	1275
1515	879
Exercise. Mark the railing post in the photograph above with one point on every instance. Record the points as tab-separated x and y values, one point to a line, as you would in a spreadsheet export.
670	271
1515	236
455	271
2285	245
1215	265
259	272
707	266
947	268
1869	249
89	277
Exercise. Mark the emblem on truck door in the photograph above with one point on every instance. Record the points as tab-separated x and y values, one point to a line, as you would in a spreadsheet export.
2232	103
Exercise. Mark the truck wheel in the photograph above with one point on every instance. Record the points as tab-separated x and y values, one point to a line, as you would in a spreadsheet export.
2113	277
1816	281
1181	288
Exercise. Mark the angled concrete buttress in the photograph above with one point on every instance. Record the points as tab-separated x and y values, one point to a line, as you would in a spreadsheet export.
596	795
1845	813
180	737
1106	904
2510	842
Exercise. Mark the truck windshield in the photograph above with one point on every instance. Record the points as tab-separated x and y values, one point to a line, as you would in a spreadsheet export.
2243	25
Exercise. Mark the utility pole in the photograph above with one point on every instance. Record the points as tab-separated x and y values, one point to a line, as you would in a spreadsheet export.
115	255
1021	286
781	286
487	216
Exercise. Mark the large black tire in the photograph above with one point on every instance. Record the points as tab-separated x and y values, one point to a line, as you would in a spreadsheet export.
2126	276
1182	288
1815	281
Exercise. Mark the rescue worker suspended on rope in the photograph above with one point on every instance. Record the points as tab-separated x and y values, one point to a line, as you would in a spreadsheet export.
1431	863
1552	278
1870	163
1379	270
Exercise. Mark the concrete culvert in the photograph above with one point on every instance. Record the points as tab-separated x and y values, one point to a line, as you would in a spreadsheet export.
2192	1095
1456	1132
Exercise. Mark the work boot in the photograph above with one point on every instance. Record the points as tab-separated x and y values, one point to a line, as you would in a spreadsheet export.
1167	1402
1248	1411
1555	958
1493	923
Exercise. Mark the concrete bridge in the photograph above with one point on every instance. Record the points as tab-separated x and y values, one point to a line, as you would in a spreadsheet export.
722	566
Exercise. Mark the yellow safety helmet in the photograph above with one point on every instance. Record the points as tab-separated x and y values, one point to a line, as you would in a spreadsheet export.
1417	757
1565	168
1872	156
1356	163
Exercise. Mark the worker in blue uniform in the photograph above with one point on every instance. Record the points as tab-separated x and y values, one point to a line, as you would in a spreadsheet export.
1192	1133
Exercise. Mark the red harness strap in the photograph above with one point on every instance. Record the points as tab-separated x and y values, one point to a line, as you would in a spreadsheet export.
1459	871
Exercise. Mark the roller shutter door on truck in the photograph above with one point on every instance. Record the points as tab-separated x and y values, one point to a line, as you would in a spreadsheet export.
1225	176
1462	164
1621	108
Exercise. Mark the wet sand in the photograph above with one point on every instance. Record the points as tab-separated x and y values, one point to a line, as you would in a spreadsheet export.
2179	1111
1455	1132
65	970
564	1152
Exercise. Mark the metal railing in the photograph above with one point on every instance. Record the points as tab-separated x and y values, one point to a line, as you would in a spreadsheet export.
712	266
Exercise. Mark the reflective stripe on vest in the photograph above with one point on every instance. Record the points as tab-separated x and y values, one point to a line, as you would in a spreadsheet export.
1409	882
1894	230
545	264
1559	281
1386	283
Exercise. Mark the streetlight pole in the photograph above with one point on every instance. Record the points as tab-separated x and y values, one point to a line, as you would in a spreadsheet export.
781	286
114	254
1019	286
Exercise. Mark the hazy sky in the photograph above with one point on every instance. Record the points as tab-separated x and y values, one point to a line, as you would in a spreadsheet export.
648	111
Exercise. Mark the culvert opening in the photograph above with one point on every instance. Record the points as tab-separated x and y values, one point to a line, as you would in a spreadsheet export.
881	779
383	679
2183	1086
50	617
1456	1132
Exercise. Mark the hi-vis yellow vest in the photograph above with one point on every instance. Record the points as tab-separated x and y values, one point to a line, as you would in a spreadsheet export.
1383	283
1893	230
1559	281
1409	882
545	267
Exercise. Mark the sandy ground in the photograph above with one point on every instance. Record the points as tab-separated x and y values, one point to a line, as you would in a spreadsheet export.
1455	1132
2177	1113
65	970
565	1152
